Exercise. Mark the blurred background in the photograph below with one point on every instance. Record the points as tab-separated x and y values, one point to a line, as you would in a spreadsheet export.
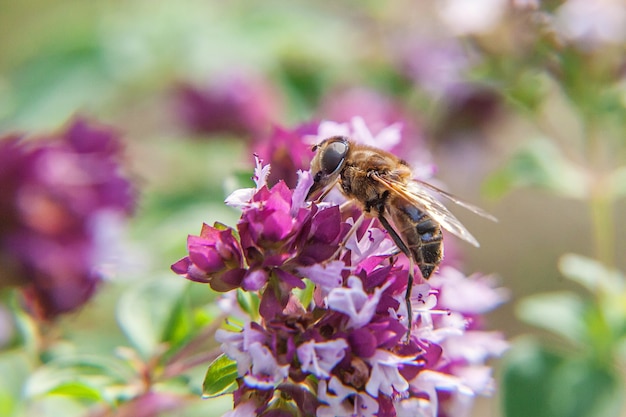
519	104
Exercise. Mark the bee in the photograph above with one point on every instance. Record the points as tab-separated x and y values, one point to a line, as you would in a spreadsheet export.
383	185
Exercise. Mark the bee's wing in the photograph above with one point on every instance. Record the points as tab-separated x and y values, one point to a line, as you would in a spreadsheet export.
415	192
456	200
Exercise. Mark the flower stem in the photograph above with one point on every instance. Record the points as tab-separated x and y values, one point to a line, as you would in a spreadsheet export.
600	196
602	219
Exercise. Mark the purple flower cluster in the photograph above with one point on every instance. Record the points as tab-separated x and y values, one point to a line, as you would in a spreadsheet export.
330	338
54	193
241	105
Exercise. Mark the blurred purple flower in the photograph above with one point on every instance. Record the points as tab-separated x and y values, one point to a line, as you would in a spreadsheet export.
467	295
7	326
232	104
472	17
436	67
148	404
466	110
54	192
441	70
592	24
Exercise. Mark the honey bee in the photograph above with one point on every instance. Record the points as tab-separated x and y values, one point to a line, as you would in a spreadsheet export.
383	185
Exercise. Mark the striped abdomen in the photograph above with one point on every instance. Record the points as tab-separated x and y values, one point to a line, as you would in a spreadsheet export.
421	235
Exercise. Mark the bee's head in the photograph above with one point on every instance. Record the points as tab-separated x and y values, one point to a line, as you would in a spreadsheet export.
328	161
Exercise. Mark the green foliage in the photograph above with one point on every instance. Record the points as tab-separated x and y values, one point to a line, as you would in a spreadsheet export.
220	378
541	382
89	378
305	295
147	315
249	302
580	380
539	164
572	97
556	312
14	369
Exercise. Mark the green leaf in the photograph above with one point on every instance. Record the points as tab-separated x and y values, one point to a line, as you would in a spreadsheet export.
582	388
305	295
249	302
15	367
221	226
8	403
77	389
540	383
145	310
239	179
84	377
220	378
605	320
539	163
559	312
180	325
591	274
526	380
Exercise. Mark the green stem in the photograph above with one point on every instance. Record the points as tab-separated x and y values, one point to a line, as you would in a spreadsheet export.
602	216
601	202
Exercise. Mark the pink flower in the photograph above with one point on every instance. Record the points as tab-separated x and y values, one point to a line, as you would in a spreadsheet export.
475	346
326	276
237	345
320	358
469	295
215	257
332	310
247	409
354	302
344	401
591	24
358	131
385	376
265	373
373	243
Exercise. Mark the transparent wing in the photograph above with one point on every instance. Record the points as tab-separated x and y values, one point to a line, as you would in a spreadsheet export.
416	192
456	200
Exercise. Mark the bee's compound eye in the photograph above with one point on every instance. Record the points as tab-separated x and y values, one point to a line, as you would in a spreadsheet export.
333	157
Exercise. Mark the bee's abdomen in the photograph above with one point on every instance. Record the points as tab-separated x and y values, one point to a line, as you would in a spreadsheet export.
422	236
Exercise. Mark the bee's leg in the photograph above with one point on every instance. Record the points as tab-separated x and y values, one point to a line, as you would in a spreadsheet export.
407	298
409	286
344	206
353	229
